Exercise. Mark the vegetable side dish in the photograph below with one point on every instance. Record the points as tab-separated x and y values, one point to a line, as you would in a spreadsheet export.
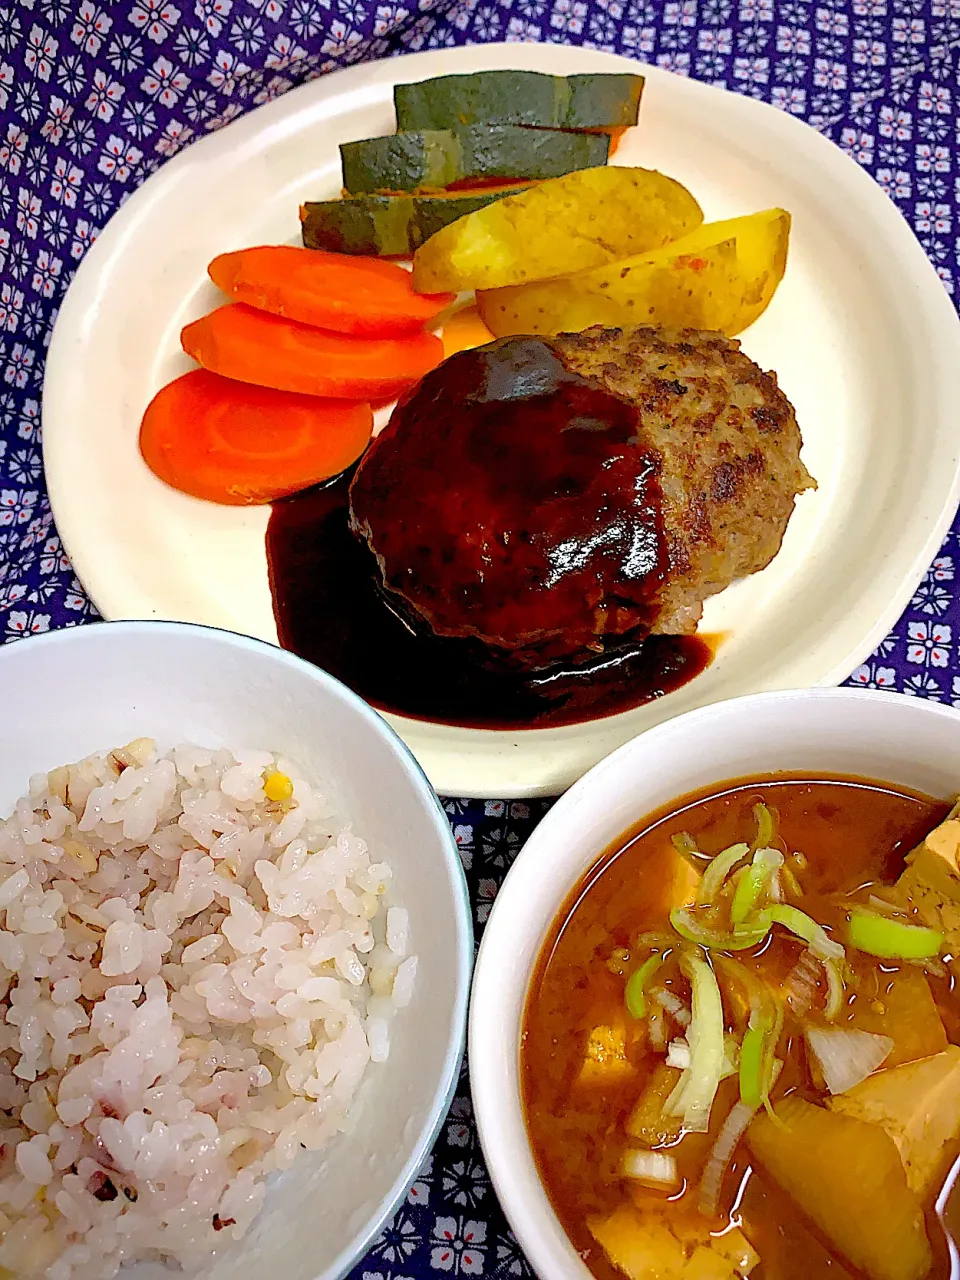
442	158
721	276
288	370
741	1048
336	324
461	142
601	214
600	101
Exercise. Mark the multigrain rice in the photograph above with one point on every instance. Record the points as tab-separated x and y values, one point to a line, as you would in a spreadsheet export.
195	978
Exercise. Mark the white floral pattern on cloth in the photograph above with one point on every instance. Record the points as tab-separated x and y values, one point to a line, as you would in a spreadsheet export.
95	95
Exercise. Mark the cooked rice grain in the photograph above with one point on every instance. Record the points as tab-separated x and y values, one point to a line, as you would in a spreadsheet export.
195	978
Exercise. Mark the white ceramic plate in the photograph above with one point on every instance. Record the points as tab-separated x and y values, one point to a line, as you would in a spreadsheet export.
861	334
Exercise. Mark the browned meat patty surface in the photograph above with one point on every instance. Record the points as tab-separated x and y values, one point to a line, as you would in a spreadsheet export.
553	497
729	449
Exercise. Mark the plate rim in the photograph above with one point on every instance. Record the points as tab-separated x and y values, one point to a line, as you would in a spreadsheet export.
451	777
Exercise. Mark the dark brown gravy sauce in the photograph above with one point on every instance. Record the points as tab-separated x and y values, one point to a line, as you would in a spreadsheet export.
513	454
329	609
853	832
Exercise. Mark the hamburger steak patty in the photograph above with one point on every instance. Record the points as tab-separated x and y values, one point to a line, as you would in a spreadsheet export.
554	497
729	448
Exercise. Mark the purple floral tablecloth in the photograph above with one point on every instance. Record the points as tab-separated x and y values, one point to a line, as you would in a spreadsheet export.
95	96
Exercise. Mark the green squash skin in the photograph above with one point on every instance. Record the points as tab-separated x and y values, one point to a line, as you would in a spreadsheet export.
366	224
401	162
387	226
604	101
433	213
435	159
596	101
488	97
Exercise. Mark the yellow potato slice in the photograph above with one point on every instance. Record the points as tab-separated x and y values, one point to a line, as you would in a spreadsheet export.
658	288
722	276
582	220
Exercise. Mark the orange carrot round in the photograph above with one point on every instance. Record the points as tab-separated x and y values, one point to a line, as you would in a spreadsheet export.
253	346
232	443
365	297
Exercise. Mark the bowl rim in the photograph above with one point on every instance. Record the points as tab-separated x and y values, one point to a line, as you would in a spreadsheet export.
492	1048
445	1090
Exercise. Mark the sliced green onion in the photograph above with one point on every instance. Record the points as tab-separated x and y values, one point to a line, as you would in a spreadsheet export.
671	1004
749	890
716	872
753	883
635	992
678	1055
834	989
751	1066
891	939
731	1057
805	927
685	845
656	1025
692	930
718	1164
695	1094
788	877
771	1064
765	825
652	1168
758	1063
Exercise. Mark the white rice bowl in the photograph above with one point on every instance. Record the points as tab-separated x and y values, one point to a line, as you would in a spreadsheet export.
195	978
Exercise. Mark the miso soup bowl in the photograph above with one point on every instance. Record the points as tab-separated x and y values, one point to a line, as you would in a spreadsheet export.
881	736
73	692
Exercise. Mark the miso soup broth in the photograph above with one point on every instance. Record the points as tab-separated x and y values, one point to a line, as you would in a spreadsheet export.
741	1044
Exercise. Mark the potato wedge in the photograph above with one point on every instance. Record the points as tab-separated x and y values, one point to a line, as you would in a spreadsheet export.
722	276
582	220
659	288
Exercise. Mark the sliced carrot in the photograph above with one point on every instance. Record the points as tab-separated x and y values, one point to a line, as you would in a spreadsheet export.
253	346
465	330
616	137
240	445
363	296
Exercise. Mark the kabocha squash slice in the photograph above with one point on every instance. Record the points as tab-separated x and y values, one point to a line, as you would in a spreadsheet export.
389	225
437	159
530	98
